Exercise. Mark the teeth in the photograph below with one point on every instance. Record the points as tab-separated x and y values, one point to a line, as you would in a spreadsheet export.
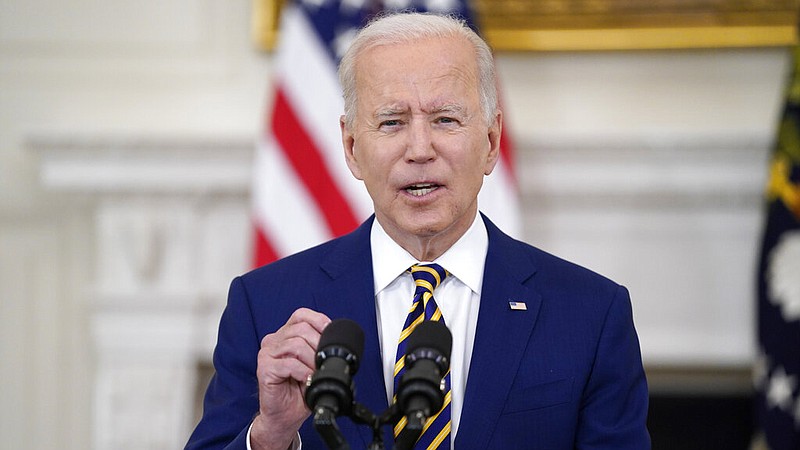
418	190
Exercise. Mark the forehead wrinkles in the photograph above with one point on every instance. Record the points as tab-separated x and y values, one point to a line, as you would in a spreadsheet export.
442	93
386	83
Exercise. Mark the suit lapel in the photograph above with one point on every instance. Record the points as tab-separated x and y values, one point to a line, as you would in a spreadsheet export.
500	338
350	294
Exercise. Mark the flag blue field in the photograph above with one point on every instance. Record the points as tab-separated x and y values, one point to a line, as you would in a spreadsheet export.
777	370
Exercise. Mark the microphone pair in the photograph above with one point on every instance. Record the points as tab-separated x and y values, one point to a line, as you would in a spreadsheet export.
420	392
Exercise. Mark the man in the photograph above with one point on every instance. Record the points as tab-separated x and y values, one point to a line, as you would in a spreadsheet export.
545	355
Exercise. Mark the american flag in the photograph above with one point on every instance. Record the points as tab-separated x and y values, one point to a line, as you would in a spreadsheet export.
518	306
303	193
777	369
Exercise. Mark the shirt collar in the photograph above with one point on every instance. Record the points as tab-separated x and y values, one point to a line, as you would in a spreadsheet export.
464	260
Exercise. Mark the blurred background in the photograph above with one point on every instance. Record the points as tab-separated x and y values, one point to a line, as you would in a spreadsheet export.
642	134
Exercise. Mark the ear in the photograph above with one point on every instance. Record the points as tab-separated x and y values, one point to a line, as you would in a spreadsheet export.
494	133
349	145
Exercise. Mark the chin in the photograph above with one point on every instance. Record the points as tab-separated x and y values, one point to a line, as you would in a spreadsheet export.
414	225
429	227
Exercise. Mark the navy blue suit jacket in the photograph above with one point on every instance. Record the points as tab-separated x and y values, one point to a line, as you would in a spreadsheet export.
566	373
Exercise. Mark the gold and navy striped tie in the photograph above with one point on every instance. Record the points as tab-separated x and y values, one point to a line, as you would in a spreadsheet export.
436	432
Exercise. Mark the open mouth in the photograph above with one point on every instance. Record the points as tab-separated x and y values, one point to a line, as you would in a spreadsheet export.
418	190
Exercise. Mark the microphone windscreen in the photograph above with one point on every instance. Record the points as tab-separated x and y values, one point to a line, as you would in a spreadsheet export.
430	334
343	333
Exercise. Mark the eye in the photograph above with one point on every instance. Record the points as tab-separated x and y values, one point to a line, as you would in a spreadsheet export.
446	120
390	123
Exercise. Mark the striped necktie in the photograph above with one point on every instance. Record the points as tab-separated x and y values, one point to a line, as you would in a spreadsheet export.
436	433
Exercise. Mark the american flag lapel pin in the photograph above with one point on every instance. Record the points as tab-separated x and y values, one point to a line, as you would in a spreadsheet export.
517	306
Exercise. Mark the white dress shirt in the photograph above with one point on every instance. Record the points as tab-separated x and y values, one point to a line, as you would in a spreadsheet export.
458	297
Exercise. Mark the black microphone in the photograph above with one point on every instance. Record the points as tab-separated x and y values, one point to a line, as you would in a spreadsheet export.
421	391
329	392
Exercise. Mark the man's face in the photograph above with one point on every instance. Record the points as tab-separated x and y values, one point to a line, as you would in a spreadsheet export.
419	140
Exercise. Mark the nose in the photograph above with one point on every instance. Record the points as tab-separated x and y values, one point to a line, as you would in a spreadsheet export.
420	147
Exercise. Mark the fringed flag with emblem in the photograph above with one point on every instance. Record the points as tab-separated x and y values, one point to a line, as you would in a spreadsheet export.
777	374
303	193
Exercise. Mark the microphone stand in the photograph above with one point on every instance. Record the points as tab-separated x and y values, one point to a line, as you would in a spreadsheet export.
328	429
411	432
406	440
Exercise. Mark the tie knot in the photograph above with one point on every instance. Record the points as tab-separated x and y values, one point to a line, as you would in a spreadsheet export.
428	276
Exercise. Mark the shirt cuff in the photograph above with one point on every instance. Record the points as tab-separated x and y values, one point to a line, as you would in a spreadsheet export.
297	443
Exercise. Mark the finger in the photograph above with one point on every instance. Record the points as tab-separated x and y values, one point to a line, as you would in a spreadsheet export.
316	319
296	347
302	330
279	370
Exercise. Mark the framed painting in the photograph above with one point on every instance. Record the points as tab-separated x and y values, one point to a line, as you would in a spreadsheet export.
589	25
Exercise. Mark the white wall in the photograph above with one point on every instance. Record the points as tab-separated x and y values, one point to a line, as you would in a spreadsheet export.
94	72
646	166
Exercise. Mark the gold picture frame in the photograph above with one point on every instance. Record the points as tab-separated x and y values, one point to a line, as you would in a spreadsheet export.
593	25
264	23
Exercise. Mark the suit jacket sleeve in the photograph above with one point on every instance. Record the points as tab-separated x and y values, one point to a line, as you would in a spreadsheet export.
231	400
614	409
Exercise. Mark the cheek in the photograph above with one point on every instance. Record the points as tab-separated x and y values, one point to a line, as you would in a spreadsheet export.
472	175
379	165
475	166
376	174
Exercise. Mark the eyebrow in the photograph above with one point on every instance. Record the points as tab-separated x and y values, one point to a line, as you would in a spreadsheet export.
394	111
391	111
450	108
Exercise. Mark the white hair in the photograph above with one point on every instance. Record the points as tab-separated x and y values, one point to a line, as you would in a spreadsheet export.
404	27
